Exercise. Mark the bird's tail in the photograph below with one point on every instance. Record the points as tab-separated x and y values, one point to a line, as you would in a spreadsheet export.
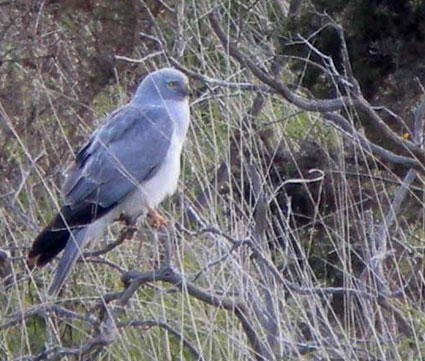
72	252
50	242
54	238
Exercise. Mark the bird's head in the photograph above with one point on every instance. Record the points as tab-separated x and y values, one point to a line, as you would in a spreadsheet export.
164	84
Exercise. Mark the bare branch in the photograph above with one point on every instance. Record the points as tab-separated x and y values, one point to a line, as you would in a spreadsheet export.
46	310
165	326
222	83
382	234
364	105
179	43
270	323
294	8
345	125
306	291
248	121
126	233
139	61
322	106
135	279
345	55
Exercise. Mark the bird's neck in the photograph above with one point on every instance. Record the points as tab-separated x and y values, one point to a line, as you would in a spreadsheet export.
181	111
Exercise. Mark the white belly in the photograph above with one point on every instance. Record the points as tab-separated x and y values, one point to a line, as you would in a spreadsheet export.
151	193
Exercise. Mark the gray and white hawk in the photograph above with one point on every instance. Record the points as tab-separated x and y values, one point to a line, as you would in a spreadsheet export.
128	167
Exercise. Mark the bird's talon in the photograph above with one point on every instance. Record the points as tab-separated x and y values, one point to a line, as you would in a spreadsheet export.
156	220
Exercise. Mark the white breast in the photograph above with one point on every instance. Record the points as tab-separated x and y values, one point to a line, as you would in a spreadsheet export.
164	183
151	193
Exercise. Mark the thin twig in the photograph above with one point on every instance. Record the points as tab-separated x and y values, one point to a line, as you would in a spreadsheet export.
324	105
43	310
218	82
126	233
165	326
382	234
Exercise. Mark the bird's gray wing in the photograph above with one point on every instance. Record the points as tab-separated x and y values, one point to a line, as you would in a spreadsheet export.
128	149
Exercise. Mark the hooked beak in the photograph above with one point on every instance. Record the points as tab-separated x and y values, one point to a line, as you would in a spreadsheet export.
186	90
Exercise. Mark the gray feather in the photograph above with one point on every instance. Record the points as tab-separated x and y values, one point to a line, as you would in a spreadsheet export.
72	251
120	156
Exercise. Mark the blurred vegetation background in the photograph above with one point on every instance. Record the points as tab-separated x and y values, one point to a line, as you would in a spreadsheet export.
297	230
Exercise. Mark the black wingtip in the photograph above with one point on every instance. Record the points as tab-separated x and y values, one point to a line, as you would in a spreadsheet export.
52	240
48	244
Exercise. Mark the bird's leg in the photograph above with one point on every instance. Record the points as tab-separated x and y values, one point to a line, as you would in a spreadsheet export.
130	229
156	220
127	220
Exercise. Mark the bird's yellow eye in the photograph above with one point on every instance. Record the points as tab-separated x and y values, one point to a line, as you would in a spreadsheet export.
172	84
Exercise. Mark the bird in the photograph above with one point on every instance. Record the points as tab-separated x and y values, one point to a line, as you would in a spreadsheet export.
129	165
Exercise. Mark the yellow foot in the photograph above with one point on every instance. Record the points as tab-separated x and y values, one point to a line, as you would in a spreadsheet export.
156	221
